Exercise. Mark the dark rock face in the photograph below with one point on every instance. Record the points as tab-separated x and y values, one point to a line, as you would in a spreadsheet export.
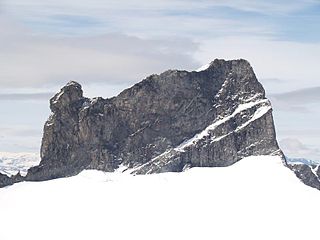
167	122
6	181
61	151
308	174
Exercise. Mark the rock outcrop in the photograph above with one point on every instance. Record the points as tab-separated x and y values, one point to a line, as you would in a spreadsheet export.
308	174
9	180
167	122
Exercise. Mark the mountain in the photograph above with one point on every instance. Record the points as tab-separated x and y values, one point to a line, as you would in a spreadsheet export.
170	122
212	117
255	198
165	123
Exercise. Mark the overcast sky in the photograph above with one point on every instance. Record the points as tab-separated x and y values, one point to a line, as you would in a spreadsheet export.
108	45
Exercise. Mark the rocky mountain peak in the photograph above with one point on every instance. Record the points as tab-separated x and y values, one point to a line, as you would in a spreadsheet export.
222	63
167	122
68	96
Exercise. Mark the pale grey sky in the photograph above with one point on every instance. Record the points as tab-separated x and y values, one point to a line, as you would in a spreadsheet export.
110	45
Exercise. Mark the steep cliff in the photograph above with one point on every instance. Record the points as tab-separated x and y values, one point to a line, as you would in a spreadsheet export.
167	122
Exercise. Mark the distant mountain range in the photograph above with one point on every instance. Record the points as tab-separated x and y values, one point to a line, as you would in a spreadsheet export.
302	161
13	163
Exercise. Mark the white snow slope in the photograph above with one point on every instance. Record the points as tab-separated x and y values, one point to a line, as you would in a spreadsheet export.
256	198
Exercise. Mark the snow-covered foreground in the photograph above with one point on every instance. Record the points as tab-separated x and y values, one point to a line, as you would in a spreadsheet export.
257	198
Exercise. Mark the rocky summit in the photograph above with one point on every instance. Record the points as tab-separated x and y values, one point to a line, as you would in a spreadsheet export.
167	122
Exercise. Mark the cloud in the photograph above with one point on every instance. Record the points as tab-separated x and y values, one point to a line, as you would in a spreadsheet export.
300	97
294	148
20	138
155	18
267	7
296	64
21	124
272	80
302	100
29	60
19	131
71	6
303	133
25	96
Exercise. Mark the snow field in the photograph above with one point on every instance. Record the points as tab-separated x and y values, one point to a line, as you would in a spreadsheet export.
256	198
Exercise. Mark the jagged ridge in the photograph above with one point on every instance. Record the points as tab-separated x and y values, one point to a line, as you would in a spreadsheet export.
167	122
